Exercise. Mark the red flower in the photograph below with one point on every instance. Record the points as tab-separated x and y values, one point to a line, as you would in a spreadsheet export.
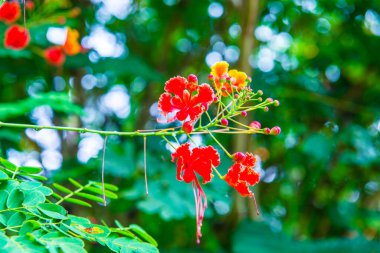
241	174
55	56
16	38
200	161
10	11
185	98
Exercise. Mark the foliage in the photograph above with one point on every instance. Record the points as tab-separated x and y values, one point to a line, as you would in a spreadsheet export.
320	179
32	219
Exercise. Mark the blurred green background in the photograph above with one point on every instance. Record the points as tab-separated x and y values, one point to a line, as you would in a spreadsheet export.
320	188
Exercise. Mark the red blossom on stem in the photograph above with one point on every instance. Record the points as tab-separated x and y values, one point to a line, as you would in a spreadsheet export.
10	11
55	56
241	174
16	38
199	160
185	99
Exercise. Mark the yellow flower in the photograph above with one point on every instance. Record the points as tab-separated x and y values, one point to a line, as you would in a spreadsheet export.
219	68
238	78
72	46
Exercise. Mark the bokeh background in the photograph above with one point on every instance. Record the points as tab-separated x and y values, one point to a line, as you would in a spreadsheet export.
320	188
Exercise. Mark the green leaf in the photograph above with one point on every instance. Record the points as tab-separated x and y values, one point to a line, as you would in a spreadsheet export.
110	187
62	188
29	185
30	170
142	234
7	164
38	177
53	211
99	191
3	175
78	202
127	245
16	219
33	198
15	199
75	183
89	196
3	199
29	226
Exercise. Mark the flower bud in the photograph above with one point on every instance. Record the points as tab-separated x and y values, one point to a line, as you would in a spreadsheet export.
224	122
266	109
188	127
238	157
269	100
255	124
244	113
236	96
276	103
260	99
192	78
210	77
249	79
216	99
260	92
275	130
266	130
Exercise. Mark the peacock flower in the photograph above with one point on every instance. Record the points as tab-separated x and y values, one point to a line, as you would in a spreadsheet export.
190	163
185	100
55	56
241	174
72	46
225	81
16	37
10	12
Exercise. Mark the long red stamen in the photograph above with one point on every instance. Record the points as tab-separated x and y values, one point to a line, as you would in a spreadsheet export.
200	207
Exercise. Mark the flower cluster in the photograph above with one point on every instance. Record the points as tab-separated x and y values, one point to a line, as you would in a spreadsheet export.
226	81
16	37
241	174
186	101
56	55
190	162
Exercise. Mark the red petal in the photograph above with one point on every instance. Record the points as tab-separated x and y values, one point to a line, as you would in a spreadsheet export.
182	114
205	94
243	189
250	176
176	85
164	103
232	176
250	160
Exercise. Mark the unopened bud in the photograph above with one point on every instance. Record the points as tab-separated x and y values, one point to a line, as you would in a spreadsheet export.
188	127
224	122
275	130
244	113
210	77
276	103
215	99
238	157
266	109
192	78
269	100
255	124
236	95
260	99
266	130
260	92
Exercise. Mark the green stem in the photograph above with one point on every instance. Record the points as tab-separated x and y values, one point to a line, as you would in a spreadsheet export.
220	145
